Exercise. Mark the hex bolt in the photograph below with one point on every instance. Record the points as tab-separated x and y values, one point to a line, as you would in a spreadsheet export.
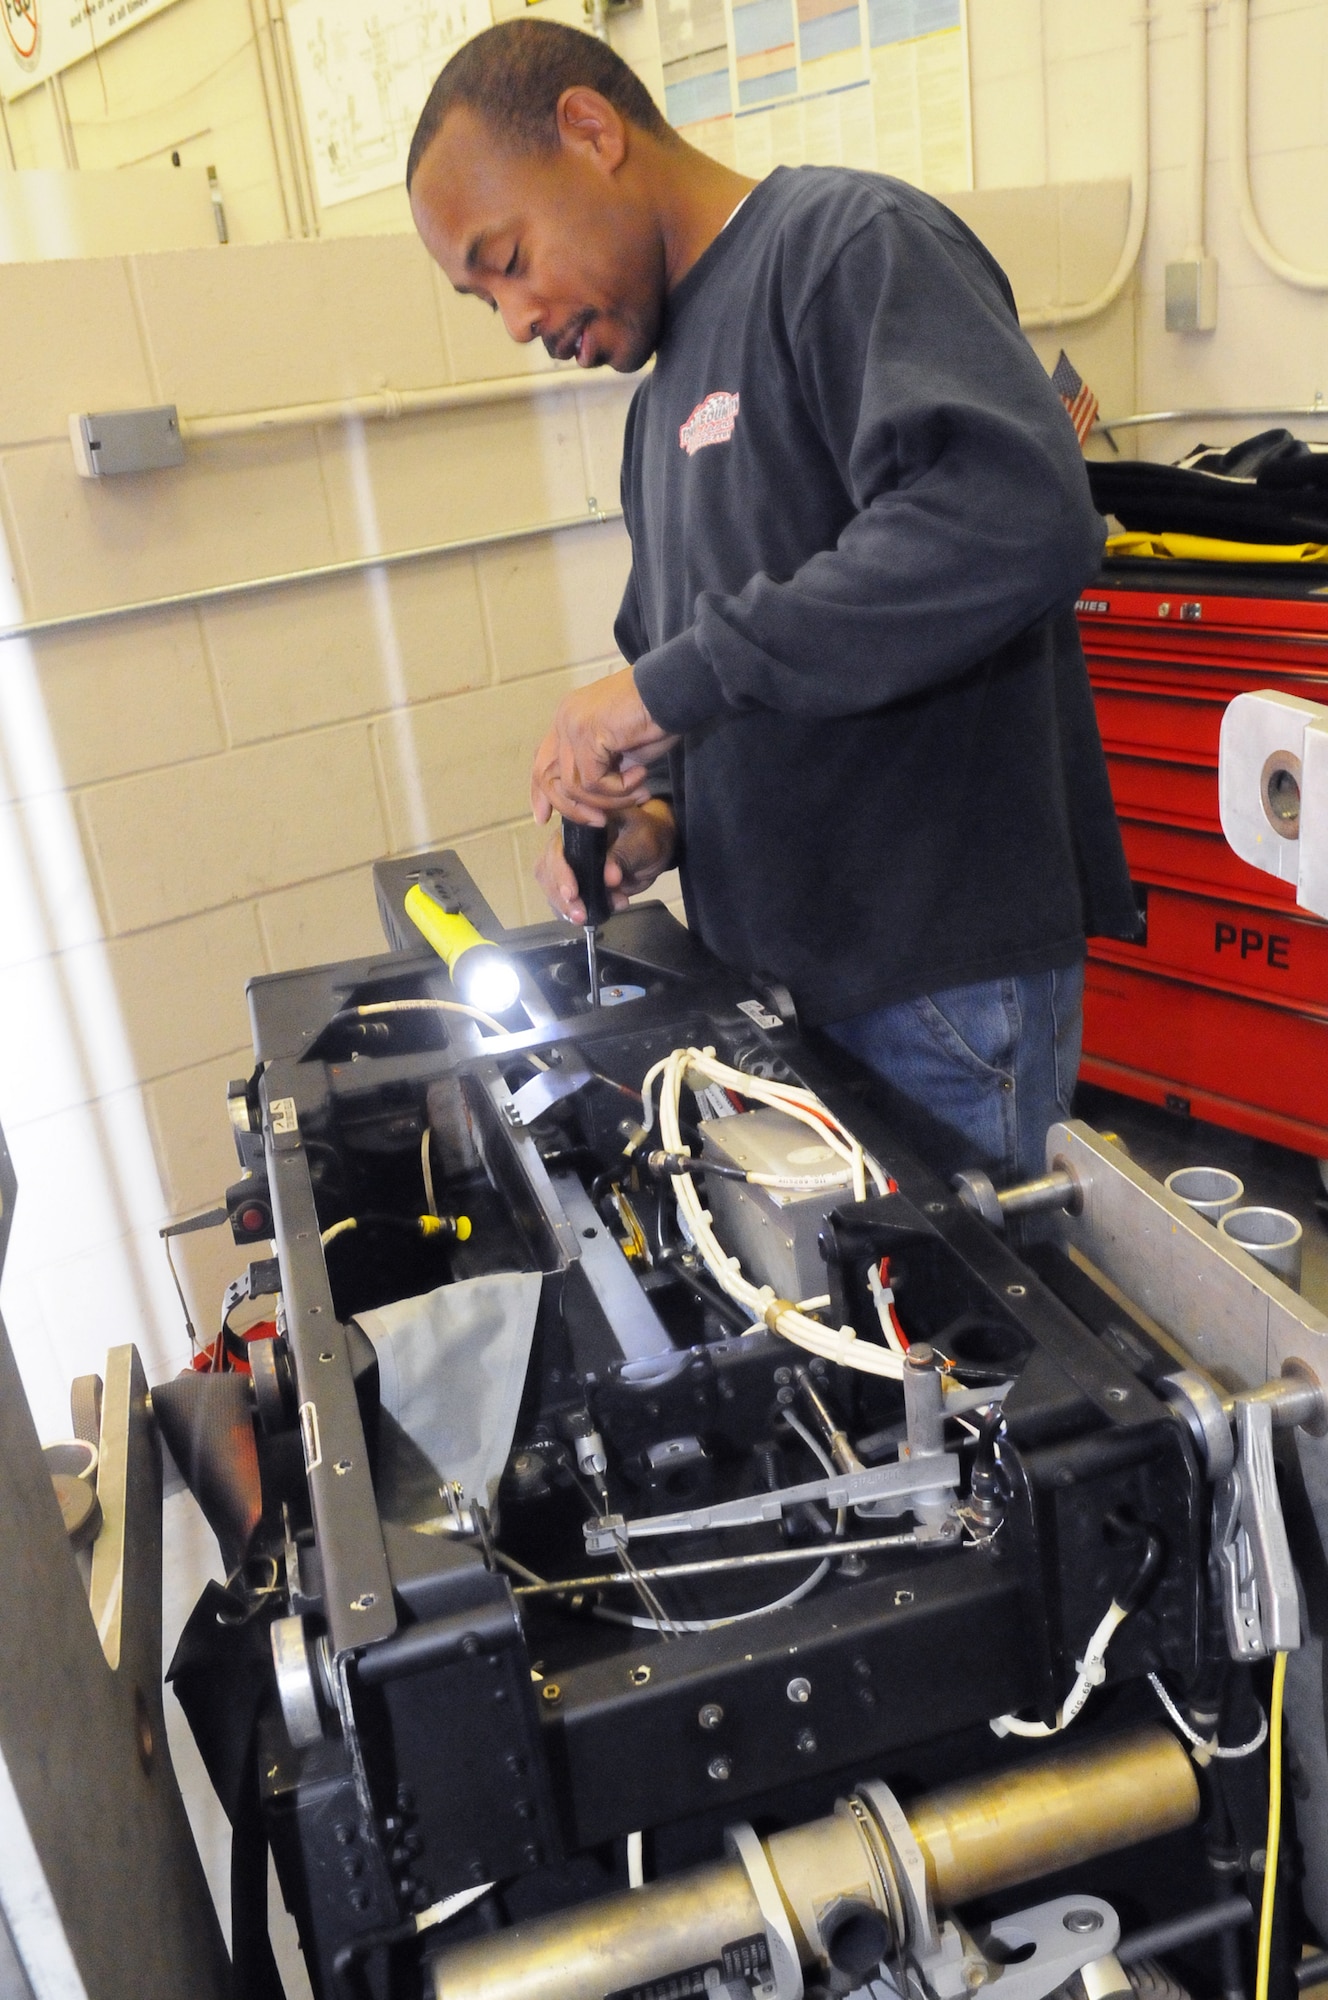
1082	1921
720	1769
799	1689
710	1715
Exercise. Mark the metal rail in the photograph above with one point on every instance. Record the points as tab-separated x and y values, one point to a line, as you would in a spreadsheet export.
1318	408
250	586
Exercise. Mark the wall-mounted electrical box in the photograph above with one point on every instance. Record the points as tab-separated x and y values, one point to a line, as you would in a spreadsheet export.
113	441
1191	295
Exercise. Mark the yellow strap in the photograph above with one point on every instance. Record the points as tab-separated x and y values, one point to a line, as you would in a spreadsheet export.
1205	548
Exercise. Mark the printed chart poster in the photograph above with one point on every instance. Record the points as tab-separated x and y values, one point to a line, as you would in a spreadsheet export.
877	84
42	37
364	72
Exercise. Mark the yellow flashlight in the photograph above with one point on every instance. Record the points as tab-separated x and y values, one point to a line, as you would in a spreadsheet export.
482	975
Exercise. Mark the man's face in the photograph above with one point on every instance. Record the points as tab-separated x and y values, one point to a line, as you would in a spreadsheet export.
560	243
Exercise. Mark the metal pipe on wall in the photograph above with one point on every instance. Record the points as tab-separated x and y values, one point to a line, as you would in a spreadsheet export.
1065	315
387	404
1239	149
250	586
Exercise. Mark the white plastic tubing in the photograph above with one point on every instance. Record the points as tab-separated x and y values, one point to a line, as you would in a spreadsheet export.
1064	315
1292	274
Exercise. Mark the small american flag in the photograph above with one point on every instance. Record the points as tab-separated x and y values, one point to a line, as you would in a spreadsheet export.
1076	395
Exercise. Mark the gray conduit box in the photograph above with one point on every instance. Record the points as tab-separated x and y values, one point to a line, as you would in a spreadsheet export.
107	442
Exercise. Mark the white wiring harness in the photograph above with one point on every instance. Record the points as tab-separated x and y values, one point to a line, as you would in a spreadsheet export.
698	1069
1092	1672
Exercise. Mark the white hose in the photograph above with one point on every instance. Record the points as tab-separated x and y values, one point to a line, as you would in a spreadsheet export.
1062	315
1239	149
688	1066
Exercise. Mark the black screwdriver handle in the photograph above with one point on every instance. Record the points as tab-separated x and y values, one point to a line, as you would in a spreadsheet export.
586	849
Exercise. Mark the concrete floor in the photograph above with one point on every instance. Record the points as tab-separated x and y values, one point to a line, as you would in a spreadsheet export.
1160	1141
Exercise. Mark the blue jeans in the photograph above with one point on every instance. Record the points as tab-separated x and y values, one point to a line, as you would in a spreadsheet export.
976	1074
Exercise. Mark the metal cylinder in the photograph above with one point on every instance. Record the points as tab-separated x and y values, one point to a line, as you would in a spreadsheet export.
1012	1827
613	1943
1272	1237
1209	1191
974	1838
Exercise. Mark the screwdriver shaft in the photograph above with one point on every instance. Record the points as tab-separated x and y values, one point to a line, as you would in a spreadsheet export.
592	962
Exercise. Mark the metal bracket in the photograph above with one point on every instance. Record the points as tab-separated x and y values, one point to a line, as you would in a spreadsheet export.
743	1844
1259	1600
896	1484
1066	1935
908	1867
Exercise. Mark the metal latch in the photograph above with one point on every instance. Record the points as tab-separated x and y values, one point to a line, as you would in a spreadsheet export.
1258	1582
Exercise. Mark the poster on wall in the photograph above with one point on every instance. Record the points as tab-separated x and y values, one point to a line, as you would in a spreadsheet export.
42	37
364	72
880	84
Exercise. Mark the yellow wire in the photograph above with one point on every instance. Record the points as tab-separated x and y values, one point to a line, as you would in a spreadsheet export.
1274	1829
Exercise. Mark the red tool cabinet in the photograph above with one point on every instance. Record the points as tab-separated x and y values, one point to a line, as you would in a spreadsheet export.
1221	1010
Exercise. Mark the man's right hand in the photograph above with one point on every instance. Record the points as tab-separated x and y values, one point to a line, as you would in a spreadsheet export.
642	843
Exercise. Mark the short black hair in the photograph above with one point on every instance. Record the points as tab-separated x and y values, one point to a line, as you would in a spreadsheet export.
514	75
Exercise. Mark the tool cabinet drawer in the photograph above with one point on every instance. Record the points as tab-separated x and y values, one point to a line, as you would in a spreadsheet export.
1276	956
1242	1063
1180	857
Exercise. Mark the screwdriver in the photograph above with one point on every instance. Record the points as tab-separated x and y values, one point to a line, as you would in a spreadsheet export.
586	849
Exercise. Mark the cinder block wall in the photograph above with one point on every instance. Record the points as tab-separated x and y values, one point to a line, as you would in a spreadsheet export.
196	794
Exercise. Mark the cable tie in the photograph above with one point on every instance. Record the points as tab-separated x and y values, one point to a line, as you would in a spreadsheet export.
1205	1748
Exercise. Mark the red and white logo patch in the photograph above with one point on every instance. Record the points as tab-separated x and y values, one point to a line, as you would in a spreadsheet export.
711	422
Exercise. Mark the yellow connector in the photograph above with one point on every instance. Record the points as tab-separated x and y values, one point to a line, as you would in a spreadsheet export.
455	1226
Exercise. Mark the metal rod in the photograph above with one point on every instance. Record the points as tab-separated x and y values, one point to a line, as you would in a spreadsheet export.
1195	1925
222	593
1312	1971
867	1546
1315	409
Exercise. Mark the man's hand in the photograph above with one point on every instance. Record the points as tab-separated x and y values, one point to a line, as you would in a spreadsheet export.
642	842
592	762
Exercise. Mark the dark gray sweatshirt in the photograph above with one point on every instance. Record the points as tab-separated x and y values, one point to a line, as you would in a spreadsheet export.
859	520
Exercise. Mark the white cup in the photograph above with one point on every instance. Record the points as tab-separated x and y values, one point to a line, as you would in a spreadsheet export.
1271	1236
1209	1191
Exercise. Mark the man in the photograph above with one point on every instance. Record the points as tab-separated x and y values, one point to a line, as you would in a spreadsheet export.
859	520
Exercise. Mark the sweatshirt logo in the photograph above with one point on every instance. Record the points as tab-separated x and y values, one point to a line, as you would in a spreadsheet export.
711	422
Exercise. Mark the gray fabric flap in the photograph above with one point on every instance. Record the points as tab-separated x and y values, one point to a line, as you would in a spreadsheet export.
451	1368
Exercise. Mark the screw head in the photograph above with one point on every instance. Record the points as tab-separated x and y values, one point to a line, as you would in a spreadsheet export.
365	1602
1116	1394
552	1693
1081	1922
639	1675
799	1689
807	1742
720	1769
710	1715
976	1974
1016	1291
